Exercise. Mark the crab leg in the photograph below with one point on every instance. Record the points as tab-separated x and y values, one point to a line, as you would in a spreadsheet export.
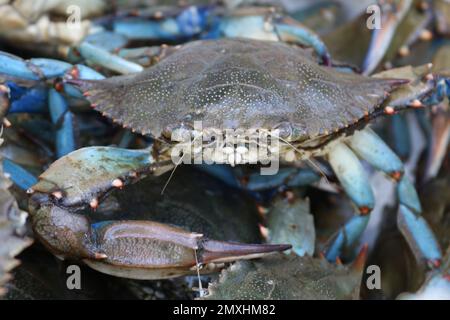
354	180
373	149
291	31
400	136
24	99
21	177
108	60
391	18
272	28
34	97
62	118
291	177
186	24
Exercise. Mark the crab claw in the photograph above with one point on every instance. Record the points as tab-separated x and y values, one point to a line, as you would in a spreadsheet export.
85	175
152	250
391	18
220	251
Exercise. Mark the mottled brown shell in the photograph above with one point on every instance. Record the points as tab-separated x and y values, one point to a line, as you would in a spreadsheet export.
238	84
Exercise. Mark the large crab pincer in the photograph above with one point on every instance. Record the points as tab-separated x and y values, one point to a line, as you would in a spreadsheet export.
153	237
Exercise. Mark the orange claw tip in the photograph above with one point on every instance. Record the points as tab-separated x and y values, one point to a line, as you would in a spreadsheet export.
404	51
396	175
117	183
389	110
86	94
3	88
434	264
264	231
94	203
75	72
100	256
57	194
133	174
6	123
219	251
361	258
429	76
416	103
426	35
364	210
339	261
59	87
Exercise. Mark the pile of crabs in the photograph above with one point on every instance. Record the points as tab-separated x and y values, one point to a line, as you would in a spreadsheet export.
100	100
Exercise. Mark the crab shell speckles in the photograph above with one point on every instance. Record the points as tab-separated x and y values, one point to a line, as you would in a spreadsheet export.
239	84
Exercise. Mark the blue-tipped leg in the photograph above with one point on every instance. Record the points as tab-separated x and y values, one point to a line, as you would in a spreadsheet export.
400	135
62	118
407	195
29	100
352	176
107	60
50	68
16	67
188	23
419	237
353	179
414	227
21	177
370	147
291	177
291	31
281	28
348	235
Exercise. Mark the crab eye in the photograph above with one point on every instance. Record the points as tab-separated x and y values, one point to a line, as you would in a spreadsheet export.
284	130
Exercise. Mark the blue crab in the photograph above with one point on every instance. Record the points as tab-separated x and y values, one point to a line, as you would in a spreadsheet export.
317	110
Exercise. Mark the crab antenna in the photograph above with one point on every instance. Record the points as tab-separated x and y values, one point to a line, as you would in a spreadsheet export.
197	266
176	166
171	175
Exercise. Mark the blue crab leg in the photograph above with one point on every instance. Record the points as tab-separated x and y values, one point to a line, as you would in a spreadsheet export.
50	68
258	27
36	98
62	118
16	67
222	172
80	71
353	179
107	60
419	237
400	136
29	100
188	23
382	38
291	177
374	150
291	31
438	135
21	177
